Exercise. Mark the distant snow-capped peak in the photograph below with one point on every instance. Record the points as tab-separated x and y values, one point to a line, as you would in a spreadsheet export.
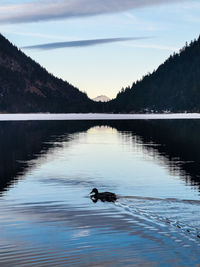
101	98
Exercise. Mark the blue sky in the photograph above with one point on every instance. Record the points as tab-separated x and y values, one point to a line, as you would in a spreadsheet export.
106	67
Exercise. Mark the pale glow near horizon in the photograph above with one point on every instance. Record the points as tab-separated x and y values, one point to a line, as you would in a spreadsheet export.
105	69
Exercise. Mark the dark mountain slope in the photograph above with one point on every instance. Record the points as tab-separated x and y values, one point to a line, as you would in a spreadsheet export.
27	87
174	86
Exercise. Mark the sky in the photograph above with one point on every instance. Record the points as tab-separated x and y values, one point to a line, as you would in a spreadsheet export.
100	46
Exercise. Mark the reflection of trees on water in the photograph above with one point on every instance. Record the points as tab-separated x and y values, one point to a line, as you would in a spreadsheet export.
21	142
175	143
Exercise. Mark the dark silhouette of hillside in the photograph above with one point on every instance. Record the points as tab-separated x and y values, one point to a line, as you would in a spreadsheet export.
27	87
174	86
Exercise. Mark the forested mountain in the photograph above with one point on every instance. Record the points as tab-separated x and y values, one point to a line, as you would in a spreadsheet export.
174	86
27	87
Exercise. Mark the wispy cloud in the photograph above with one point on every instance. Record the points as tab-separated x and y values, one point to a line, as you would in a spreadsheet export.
81	43
155	46
32	34
42	10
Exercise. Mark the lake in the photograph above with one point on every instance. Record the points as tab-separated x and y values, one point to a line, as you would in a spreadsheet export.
48	169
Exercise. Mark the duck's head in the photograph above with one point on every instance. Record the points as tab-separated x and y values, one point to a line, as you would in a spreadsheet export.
94	191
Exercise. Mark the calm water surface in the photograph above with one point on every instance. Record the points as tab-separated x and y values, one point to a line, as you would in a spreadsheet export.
47	170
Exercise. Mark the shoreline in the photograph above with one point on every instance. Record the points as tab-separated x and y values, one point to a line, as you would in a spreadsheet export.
95	116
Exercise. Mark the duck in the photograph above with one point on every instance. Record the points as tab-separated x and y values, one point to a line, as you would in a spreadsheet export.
104	196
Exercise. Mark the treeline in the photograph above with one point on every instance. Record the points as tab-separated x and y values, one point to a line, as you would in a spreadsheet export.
25	86
173	87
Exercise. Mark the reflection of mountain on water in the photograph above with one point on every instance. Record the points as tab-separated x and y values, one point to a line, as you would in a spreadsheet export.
175	142
21	142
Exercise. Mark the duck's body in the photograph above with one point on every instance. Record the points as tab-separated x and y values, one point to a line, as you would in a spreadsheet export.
104	196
